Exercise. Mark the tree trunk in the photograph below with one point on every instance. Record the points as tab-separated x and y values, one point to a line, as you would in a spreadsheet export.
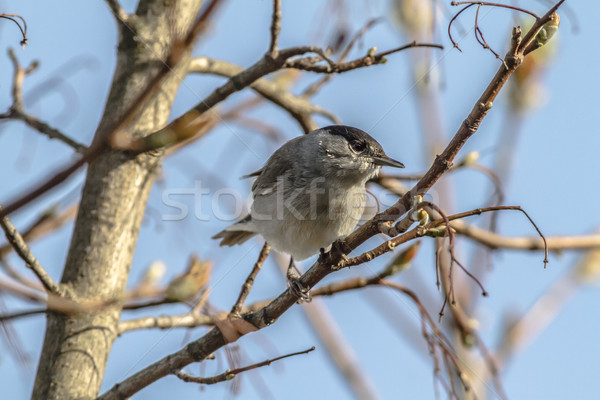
76	347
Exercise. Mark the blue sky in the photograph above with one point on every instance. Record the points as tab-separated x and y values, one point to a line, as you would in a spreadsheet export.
555	178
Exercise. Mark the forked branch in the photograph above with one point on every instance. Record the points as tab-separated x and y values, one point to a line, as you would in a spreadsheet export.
231	373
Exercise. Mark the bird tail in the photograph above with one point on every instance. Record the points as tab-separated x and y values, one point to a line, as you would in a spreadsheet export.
237	233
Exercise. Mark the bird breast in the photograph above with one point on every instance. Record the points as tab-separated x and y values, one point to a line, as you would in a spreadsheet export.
301	220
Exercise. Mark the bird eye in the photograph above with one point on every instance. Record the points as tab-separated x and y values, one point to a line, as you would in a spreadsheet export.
357	146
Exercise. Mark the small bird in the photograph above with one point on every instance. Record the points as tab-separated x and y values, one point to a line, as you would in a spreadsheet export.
311	192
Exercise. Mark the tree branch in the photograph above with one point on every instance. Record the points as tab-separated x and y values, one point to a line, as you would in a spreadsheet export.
117	11
315	87
16	241
48	221
299	108
230	374
496	241
308	64
275	28
17	110
23	29
247	286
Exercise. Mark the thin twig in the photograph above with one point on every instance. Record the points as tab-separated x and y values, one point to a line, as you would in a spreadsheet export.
298	107
454	18
17	276
22	249
23	29
554	243
453	259
47	222
479	4
275	28
479	211
61	304
46	129
526	46
479	35
117	11
21	314
17	109
487	238
485	3
231	373
315	87
368	60
247	286
420	231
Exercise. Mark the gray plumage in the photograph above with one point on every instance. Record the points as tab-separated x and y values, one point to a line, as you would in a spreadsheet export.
311	191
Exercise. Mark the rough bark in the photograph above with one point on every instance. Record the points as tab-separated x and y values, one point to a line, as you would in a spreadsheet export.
76	347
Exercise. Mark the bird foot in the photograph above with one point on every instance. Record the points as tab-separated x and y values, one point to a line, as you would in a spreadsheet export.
301	291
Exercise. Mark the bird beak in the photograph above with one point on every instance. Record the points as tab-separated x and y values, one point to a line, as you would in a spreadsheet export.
387	162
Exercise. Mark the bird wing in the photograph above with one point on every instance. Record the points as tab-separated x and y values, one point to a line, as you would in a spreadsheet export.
278	167
252	175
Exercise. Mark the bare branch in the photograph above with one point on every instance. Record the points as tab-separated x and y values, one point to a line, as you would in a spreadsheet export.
479	35
485	3
425	230
17	276
23	28
187	320
53	302
514	208
314	88
17	110
275	28
16	241
230	374
48	221
247	286
46	129
117	11
528	45
21	314
298	107
308	64
496	241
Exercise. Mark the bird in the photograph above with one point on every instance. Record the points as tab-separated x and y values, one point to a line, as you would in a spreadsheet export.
310	193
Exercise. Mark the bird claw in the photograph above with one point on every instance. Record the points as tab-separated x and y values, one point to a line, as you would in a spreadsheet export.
299	290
